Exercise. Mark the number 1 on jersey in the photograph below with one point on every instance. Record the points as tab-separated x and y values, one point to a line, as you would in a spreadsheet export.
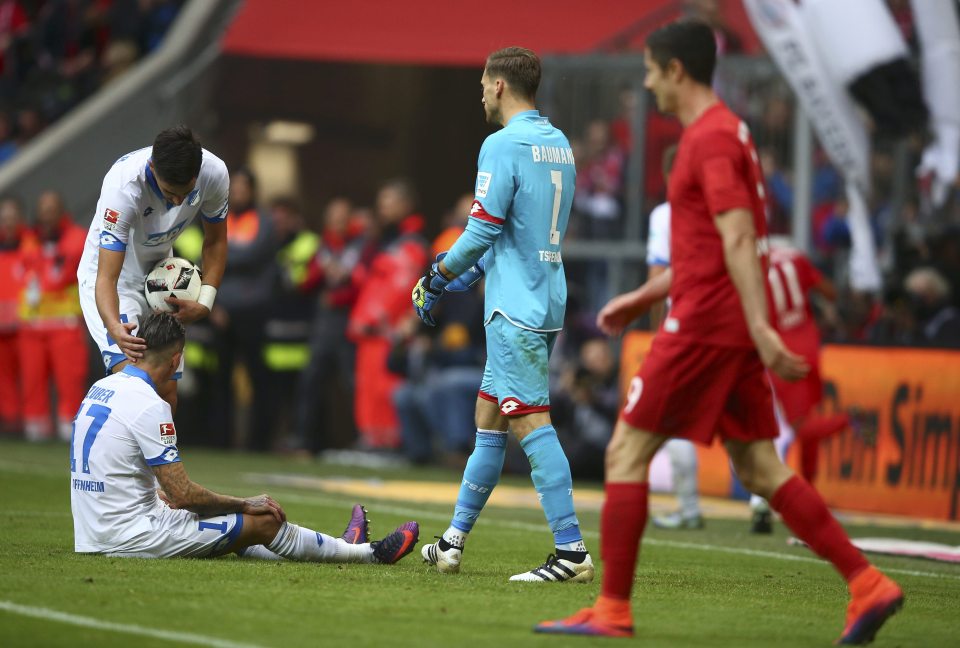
557	179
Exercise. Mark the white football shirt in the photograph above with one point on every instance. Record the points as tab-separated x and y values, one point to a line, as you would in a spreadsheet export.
122	429
132	216
658	236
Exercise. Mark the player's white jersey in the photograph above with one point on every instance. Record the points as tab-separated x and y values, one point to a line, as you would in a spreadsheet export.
658	236
123	428
133	216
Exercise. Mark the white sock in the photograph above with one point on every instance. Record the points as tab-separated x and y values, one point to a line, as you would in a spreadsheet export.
455	536
573	546
683	461
758	504
258	552
299	543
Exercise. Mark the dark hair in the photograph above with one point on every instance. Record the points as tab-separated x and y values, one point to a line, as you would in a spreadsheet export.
248	173
689	41
405	188
286	203
519	67
177	155
162	332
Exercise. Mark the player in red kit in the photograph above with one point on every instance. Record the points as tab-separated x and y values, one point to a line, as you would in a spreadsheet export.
705	373
792	278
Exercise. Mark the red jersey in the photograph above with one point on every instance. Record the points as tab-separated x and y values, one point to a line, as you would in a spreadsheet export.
716	169
791	276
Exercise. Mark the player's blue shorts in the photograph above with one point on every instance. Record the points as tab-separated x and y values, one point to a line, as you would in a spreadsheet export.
517	374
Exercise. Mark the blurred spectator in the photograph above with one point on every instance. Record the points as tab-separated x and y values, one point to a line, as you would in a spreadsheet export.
244	298
8	145
12	232
444	365
328	379
835	233
454	222
600	182
383	303
53	339
938	321
55	53
585	407
286	350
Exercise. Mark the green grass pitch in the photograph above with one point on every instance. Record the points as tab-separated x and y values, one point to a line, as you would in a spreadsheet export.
717	587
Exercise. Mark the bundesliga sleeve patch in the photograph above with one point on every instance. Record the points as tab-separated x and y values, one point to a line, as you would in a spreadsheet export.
110	218
168	434
477	211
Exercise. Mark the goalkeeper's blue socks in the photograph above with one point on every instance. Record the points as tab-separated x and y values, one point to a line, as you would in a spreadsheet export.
479	478
550	472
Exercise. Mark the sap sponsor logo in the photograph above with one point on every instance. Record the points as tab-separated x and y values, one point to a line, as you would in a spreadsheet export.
109	241
88	485
550	256
162	238
476	487
552	154
483	183
168	434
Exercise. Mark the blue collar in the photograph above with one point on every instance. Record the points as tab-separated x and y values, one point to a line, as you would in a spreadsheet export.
139	373
152	181
526	114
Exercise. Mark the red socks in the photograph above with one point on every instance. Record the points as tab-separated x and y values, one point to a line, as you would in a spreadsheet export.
804	511
622	521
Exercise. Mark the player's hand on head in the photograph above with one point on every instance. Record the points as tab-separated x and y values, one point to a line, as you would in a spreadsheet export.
264	505
777	357
427	293
131	346
188	311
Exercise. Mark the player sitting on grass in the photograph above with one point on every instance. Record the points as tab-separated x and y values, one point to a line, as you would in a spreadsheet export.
124	442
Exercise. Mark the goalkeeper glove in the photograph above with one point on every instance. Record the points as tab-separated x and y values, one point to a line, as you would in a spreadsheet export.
468	279
426	293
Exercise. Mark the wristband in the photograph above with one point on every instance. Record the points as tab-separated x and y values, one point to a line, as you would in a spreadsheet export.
207	294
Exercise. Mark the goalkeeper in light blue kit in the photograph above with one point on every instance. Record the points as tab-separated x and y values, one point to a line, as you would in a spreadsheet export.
524	191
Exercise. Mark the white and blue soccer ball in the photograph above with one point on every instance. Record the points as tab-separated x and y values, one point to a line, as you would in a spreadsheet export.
171	277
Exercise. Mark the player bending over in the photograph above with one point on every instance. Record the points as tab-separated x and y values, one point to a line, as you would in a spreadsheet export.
524	190
124	443
148	199
705	372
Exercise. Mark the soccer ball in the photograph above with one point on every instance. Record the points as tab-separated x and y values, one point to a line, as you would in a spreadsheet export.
171	277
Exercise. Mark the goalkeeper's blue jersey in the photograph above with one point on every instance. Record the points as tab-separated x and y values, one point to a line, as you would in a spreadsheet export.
525	183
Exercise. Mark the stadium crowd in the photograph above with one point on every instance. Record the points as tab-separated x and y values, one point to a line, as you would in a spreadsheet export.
309	319
56	53
313	345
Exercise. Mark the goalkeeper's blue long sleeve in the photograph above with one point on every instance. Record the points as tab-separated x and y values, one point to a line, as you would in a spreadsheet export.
471	246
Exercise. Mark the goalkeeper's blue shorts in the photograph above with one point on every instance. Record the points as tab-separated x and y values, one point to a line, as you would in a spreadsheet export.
517	374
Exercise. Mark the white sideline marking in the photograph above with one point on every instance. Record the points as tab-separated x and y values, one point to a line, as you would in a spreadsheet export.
526	526
88	622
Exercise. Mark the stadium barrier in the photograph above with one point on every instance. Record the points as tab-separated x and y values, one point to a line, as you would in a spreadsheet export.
905	461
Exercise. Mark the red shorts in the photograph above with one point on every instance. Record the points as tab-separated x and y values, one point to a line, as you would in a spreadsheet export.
799	398
694	391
